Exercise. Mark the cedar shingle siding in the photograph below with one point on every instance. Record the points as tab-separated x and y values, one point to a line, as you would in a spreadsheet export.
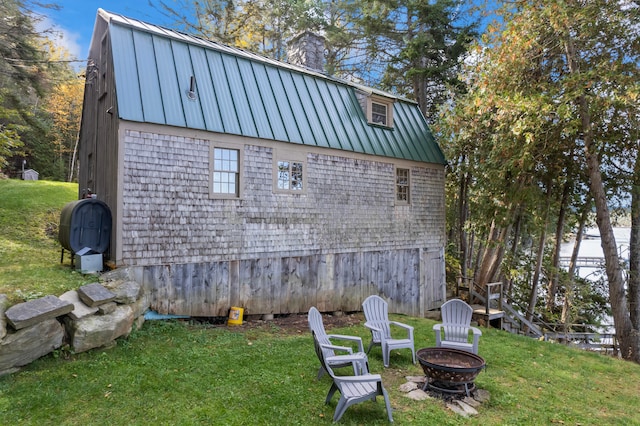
340	239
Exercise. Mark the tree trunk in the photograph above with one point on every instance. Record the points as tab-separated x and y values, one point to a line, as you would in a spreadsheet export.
634	250
627	336
463	214
552	288
566	317
73	158
490	255
508	290
533	296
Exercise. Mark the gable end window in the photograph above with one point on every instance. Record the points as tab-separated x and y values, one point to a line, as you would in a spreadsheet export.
225	173
402	186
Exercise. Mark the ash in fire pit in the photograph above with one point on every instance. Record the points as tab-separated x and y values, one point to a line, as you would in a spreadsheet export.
450	370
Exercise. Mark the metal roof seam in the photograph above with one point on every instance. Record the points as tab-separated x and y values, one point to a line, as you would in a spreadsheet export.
248	95
124	78
138	76
164	112
193	75
206	91
215	96
262	98
253	92
418	117
221	84
333	111
350	102
264	106
352	136
316	106
288	103
297	110
226	73
407	131
189	38
177	75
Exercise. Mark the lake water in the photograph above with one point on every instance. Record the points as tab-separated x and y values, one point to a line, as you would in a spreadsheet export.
591	247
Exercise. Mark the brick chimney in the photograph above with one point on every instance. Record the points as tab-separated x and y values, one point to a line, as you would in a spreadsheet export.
307	49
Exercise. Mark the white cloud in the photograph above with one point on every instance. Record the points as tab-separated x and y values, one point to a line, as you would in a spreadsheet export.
61	37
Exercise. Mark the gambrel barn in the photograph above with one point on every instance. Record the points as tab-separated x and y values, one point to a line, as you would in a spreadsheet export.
237	180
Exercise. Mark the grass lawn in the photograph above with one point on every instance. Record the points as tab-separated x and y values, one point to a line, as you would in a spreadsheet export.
193	373
29	249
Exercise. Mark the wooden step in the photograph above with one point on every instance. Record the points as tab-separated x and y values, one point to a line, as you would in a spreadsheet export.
480	311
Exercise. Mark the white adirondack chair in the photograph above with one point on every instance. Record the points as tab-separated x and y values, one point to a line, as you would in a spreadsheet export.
358	360
376	313
456	327
353	389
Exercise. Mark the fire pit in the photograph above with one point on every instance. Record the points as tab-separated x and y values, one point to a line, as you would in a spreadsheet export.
450	370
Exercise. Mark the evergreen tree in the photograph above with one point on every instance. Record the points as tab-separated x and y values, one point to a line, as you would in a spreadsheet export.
419	46
21	75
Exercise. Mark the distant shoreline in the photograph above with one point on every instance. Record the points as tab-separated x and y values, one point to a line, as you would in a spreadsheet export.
620	220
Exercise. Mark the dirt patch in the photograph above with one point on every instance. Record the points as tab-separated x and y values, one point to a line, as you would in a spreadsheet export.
297	323
291	323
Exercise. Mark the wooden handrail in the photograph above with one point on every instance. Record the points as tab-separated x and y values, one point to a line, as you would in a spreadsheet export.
492	294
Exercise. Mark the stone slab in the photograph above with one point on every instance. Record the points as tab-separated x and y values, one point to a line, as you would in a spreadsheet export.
28	344
107	308
408	387
34	311
472	402
416	379
95	294
467	408
80	309
99	330
457	409
127	292
481	395
418	395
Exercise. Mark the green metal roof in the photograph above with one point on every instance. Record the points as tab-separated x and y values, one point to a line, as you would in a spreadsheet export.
242	93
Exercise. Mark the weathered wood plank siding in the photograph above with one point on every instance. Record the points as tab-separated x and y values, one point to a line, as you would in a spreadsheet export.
277	286
98	146
332	246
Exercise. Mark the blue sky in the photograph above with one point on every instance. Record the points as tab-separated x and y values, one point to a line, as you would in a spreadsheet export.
74	21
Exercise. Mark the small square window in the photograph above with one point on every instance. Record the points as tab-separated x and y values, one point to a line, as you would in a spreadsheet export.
402	186
290	176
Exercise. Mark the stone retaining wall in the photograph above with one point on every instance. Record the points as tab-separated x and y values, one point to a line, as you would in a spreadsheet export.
94	316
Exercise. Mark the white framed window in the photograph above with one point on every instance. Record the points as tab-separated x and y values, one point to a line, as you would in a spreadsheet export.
225	172
380	111
403	186
290	172
290	176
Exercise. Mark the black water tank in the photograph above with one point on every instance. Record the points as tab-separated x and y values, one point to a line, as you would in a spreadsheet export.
85	223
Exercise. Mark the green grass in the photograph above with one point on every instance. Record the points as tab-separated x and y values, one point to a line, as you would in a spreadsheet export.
196	374
29	249
189	373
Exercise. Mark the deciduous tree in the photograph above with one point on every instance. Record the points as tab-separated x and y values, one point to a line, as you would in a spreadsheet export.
555	87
